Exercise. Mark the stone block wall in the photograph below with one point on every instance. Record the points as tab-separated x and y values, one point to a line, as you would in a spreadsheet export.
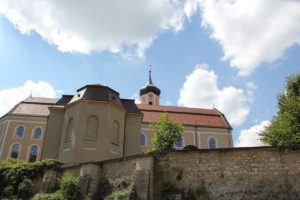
237	173
234	173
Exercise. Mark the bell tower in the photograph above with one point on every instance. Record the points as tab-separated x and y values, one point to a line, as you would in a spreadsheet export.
149	94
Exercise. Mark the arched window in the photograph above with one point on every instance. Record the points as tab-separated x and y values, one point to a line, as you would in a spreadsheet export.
69	130
20	132
115	133
179	143
143	139
212	144
33	153
91	128
15	151
37	134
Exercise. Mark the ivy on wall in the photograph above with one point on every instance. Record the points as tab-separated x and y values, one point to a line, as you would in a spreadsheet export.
16	176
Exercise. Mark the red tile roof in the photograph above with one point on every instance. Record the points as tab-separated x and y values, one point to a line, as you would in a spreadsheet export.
186	116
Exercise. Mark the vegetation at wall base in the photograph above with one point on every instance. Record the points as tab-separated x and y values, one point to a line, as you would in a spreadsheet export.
119	189
16	176
166	132
284	128
53	196
68	190
69	187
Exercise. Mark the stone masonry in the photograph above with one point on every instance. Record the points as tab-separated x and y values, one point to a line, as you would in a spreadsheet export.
234	173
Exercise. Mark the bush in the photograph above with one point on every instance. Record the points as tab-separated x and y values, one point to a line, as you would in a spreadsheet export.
25	189
69	187
53	196
68	190
16	176
121	194
119	189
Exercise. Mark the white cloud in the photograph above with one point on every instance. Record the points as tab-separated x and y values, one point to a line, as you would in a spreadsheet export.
136	98
83	26
10	97
249	137
251	88
166	102
251	32
201	90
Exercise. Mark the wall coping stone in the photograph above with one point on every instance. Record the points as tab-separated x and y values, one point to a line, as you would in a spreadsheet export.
155	153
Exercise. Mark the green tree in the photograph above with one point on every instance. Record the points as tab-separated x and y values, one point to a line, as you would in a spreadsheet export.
166	132
284	128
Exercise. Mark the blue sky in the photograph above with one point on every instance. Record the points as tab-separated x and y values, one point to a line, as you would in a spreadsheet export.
229	54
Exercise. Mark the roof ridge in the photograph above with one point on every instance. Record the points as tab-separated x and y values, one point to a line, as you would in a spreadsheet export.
182	112
224	118
177	109
40	103
180	107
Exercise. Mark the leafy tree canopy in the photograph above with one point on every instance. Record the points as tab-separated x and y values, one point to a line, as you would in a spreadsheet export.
166	132
285	126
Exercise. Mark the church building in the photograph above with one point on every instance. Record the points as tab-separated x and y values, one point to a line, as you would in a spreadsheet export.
95	124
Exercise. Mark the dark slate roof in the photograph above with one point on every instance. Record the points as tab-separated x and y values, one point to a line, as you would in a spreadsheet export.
150	87
64	100
186	116
38	106
97	92
130	106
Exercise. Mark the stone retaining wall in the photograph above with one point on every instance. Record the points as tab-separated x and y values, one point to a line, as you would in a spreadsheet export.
244	173
235	173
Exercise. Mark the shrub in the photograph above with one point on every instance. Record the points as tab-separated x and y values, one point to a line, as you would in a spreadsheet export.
53	196
68	190
25	189
8	191
16	176
120	195
119	189
69	187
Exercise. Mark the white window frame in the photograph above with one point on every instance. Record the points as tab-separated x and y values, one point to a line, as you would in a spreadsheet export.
33	130
15	132
28	152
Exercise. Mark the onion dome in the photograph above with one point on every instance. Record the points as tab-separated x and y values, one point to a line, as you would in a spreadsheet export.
150	87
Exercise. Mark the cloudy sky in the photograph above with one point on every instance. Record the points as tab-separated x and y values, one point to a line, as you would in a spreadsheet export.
230	54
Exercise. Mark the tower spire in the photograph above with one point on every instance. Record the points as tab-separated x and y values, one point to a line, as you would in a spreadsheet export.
150	79
149	94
